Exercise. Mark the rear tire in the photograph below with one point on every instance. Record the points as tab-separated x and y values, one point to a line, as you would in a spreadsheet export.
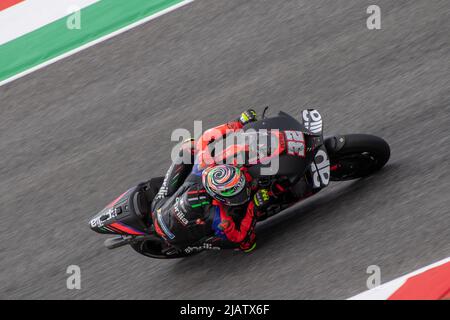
355	156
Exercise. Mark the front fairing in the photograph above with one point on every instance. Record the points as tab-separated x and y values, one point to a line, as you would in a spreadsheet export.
119	217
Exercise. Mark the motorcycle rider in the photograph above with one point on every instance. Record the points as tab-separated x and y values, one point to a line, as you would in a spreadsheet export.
215	205
197	203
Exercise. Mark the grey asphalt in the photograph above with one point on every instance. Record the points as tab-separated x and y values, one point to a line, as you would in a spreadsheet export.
76	134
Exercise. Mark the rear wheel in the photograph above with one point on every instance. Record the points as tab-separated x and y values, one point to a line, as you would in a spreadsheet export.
355	156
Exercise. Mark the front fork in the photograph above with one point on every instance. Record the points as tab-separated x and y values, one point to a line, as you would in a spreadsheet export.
333	145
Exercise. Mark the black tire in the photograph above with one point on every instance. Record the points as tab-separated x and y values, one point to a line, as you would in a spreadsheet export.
153	249
355	156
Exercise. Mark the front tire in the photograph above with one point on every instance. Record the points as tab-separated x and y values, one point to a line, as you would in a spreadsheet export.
154	248
355	156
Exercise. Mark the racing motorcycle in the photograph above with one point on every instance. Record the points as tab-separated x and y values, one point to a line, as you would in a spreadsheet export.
299	146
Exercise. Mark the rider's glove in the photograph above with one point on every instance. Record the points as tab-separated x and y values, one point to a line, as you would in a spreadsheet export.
262	199
247	116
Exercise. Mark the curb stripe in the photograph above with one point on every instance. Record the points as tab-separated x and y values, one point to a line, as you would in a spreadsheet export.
388	289
5	4
31	15
433	284
96	41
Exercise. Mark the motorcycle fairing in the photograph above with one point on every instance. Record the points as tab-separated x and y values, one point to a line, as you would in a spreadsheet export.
121	216
292	165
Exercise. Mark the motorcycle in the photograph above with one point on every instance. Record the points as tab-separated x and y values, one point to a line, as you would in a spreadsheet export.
298	145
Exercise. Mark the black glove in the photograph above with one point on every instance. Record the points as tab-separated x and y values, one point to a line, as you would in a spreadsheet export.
247	116
262	199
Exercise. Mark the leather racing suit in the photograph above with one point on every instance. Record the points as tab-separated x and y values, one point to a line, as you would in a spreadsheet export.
184	214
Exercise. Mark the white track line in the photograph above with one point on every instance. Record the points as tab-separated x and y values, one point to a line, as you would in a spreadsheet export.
96	41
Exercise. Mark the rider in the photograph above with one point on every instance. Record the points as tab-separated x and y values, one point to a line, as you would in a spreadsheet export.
215	205
206	203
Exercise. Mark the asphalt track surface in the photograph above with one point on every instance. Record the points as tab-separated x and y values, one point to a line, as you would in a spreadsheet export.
76	134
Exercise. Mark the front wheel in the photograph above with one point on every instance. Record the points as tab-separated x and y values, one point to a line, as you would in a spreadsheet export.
355	156
155	248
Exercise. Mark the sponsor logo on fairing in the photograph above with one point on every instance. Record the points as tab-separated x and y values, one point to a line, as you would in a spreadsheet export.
164	227
321	169
204	246
179	212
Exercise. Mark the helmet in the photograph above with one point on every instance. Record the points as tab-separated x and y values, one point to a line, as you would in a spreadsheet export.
227	184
